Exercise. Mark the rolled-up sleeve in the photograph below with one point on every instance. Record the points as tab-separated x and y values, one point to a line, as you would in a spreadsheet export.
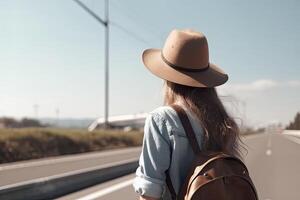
154	159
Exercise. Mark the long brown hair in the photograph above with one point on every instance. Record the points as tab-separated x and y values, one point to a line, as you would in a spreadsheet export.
221	133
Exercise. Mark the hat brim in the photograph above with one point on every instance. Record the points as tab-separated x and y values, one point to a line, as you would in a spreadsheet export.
212	77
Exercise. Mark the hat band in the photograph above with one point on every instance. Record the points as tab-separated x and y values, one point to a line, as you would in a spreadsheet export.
180	68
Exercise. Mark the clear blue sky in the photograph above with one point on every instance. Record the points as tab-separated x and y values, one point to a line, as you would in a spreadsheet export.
52	54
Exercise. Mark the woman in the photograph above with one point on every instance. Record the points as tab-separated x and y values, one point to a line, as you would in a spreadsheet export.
189	81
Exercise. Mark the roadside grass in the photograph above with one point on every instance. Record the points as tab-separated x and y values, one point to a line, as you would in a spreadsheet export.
31	143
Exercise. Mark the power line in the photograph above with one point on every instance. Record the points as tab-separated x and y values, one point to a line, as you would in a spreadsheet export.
83	6
130	33
132	15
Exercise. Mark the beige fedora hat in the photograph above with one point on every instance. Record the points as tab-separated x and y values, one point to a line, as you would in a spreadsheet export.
184	59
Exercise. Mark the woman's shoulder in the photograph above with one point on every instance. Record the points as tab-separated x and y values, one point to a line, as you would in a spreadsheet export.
166	114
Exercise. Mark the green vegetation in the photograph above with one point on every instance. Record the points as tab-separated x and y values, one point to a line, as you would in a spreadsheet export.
8	122
30	143
295	125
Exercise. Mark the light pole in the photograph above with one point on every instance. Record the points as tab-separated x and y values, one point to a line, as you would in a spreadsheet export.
105	23
36	111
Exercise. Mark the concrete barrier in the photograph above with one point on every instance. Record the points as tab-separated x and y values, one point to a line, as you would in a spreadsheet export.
58	185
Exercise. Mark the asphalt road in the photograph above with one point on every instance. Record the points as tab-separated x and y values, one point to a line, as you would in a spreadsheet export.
120	188
21	172
274	164
273	161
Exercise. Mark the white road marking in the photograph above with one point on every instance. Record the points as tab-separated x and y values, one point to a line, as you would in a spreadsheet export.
269	152
66	158
106	191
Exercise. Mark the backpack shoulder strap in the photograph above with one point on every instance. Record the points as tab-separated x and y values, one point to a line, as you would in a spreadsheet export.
187	127
192	140
170	186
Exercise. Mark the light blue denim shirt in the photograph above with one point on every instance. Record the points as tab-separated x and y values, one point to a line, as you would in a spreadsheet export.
163	130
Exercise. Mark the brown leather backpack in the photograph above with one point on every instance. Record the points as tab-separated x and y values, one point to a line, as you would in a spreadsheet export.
213	175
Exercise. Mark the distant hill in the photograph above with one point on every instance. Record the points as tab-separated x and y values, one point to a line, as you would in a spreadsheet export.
67	122
8	122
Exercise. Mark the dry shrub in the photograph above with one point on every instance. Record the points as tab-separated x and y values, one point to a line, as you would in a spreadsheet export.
31	143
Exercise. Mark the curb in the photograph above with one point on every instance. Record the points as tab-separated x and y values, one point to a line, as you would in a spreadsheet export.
59	185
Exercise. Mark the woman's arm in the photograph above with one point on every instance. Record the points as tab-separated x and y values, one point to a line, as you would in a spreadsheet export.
154	160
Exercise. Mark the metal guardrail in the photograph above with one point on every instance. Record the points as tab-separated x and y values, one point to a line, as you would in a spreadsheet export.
58	185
